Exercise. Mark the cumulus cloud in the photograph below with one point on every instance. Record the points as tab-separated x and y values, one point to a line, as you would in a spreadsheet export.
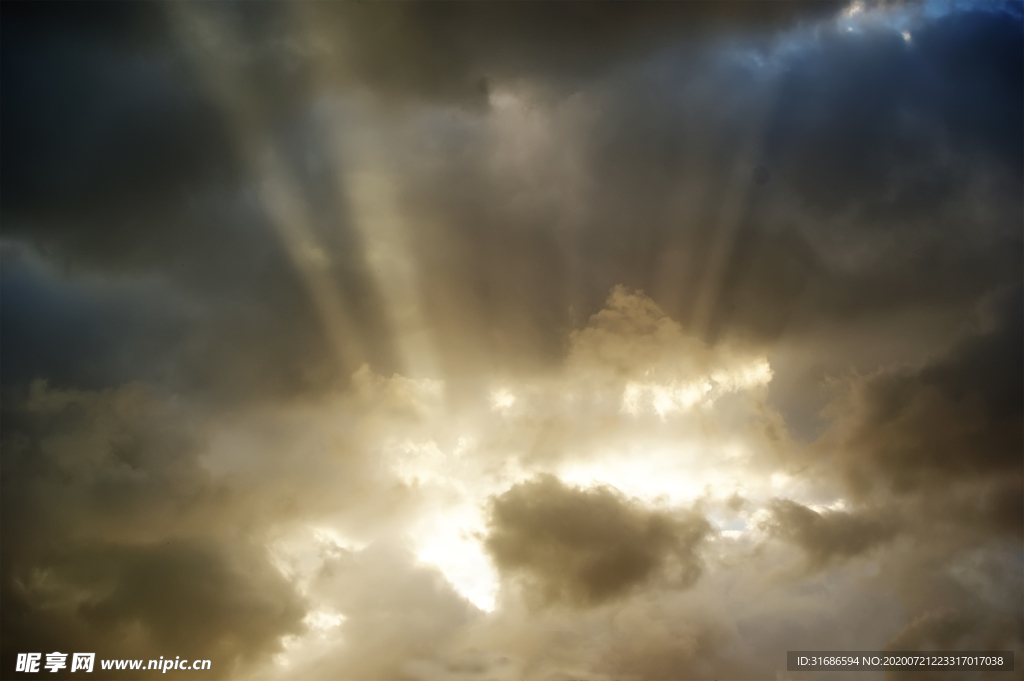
398	616
584	547
828	535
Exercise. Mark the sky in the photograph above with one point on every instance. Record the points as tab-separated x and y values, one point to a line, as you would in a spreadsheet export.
511	341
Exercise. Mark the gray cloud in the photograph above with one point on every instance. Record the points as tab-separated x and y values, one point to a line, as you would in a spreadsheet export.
829	535
584	547
656	156
399	616
957	417
836	192
118	543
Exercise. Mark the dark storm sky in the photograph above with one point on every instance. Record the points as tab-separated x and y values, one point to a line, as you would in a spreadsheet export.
261	262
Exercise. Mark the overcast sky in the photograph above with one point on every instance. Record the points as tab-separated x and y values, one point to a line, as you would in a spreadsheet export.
518	341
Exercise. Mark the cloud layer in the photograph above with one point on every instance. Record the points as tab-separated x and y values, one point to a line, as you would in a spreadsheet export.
514	341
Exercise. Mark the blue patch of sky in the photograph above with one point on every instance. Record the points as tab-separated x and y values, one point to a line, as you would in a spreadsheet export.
85	330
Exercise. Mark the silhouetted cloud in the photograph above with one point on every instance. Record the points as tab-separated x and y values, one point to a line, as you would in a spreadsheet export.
584	547
828	535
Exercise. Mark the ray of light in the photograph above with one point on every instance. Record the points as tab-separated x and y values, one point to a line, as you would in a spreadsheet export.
216	50
733	210
367	180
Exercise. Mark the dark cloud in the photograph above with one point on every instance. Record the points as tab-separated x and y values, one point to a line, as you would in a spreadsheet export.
871	212
199	600
193	598
458	51
120	165
918	228
117	542
778	179
142	327
957	417
829	536
114	138
947	91
118	158
584	547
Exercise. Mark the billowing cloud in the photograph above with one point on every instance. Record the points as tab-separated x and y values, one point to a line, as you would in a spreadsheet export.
584	547
957	417
830	534
526	341
397	616
119	542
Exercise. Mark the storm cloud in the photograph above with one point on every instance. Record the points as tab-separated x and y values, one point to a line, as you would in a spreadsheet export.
829	535
443	341
587	546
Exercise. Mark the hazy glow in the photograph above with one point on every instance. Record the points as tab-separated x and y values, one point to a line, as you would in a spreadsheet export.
322	634
854	9
678	474
502	400
648	477
678	396
455	482
450	540
299	553
663	399
376	214
757	372
447	531
454	488
323	620
837	505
